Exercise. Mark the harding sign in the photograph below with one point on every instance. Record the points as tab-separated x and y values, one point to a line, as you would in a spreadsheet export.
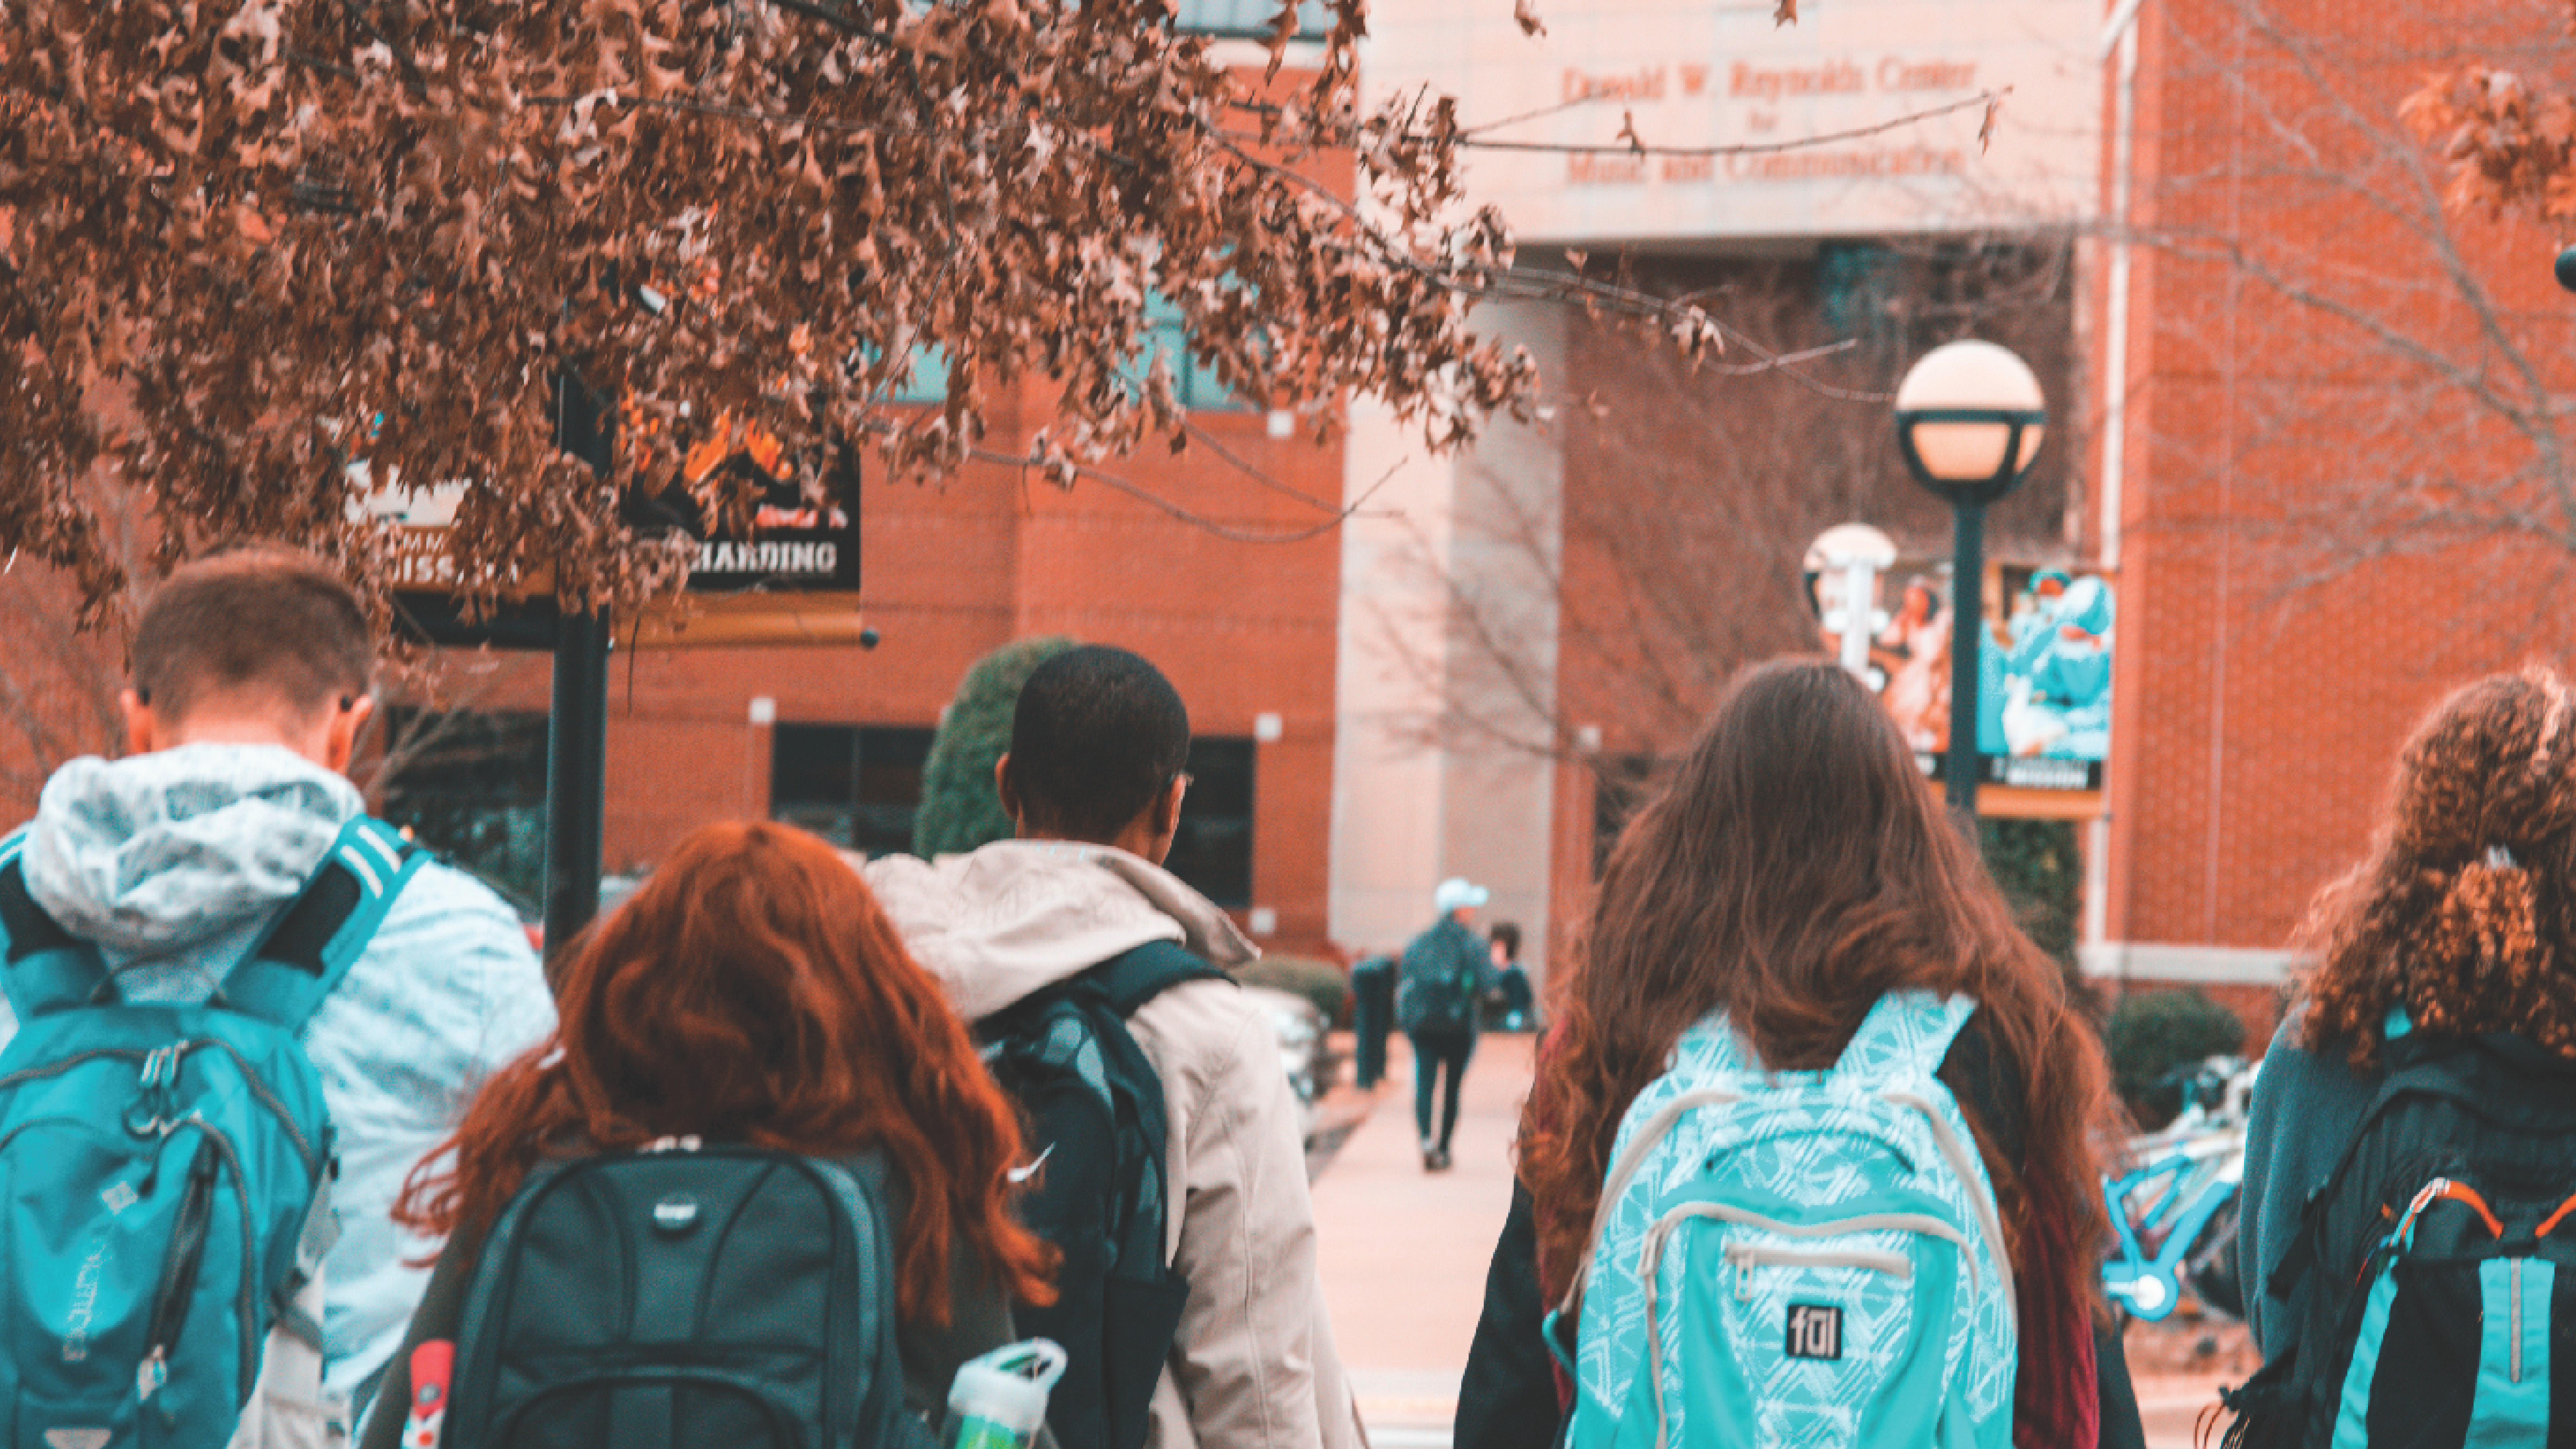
1709	120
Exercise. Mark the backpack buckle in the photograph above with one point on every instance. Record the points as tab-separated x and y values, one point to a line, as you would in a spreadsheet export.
156	1093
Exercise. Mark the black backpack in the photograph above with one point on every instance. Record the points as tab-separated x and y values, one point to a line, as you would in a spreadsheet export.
687	1296
2440	1259
1093	1111
1436	990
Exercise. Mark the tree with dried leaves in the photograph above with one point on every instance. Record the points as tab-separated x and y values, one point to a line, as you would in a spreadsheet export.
1624	590
247	244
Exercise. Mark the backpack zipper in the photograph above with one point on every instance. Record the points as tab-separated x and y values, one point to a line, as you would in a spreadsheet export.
246	1305
2517	1320
178	1274
1748	1256
1651	1259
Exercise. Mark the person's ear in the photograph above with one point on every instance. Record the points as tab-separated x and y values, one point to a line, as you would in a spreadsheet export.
1167	807
1009	792
140	722
340	738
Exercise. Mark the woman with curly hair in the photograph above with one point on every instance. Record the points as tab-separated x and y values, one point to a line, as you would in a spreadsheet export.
2461	923
753	992
1795	870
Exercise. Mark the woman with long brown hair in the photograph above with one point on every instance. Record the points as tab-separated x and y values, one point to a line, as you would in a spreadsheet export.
754	993
1795	870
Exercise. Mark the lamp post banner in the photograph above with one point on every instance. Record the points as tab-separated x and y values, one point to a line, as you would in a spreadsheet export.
2044	687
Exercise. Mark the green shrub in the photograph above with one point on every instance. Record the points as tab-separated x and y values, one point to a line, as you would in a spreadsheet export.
2152	1033
960	809
2041	873
1320	982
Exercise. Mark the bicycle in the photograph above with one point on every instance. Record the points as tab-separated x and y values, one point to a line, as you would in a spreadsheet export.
2174	1214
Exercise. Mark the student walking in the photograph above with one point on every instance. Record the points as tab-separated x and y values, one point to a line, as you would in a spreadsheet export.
747	1051
1209	1329
2411	1146
235	977
1815	1121
1439	1001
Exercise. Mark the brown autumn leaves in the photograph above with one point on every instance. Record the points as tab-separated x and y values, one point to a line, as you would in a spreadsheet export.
2511	144
246	243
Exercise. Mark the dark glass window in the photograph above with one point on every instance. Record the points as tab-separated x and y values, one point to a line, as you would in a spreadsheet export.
1621	785
471	785
1213	851
857	786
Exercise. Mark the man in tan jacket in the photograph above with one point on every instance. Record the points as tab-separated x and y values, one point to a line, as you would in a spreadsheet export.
1094	783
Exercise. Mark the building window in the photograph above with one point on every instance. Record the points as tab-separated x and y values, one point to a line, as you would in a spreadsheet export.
857	786
471	785
1249	19
1213	851
1621	786
1164	333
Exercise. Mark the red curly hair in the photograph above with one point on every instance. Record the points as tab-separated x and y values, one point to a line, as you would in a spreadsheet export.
753	991
2465	912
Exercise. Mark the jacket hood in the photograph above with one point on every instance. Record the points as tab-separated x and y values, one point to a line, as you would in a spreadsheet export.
1017	916
159	853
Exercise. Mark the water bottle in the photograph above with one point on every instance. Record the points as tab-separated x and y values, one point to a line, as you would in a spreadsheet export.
998	1400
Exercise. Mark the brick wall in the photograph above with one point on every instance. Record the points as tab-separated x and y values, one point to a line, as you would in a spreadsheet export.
2324	368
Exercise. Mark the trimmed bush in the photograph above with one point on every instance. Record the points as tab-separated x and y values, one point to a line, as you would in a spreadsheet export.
2041	873
2152	1033
960	809
1320	982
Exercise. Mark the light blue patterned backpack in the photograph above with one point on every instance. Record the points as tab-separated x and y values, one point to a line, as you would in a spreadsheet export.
1798	1260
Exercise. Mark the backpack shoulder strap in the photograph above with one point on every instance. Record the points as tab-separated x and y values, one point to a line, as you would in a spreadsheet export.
43	967
322	935
1133	977
1905	1032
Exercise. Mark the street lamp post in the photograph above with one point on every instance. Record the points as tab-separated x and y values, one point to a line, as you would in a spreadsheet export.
1969	418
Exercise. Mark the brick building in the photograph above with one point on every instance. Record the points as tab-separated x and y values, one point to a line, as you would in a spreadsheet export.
834	737
2310	424
2330	439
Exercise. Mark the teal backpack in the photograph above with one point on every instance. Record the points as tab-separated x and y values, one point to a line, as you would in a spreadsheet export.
164	1170
1806	1259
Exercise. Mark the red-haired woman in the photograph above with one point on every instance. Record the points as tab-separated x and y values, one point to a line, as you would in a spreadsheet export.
1794	871
753	992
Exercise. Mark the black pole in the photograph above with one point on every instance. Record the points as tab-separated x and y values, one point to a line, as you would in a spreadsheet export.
576	775
1967	645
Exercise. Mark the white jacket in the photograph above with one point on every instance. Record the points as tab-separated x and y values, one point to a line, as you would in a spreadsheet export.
1253	1366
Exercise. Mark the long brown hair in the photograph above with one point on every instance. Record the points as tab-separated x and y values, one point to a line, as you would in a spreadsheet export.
1796	869
753	991
2462	913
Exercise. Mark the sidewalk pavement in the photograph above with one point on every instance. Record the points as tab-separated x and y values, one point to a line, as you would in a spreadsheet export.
1404	1251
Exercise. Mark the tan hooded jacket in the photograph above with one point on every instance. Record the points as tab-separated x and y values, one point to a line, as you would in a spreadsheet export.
1253	1366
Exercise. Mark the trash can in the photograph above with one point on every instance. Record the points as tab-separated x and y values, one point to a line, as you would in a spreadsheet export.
1372	1016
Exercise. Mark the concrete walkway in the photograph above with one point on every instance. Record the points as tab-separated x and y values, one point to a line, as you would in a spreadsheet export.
1404	1251
1404	1254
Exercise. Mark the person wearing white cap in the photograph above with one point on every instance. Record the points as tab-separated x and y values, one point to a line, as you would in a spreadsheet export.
1439	990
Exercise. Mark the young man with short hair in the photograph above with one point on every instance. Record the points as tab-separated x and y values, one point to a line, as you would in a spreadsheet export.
1094	781
251	679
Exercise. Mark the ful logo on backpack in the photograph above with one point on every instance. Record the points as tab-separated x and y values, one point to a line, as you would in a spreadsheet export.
164	1169
1798	1260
